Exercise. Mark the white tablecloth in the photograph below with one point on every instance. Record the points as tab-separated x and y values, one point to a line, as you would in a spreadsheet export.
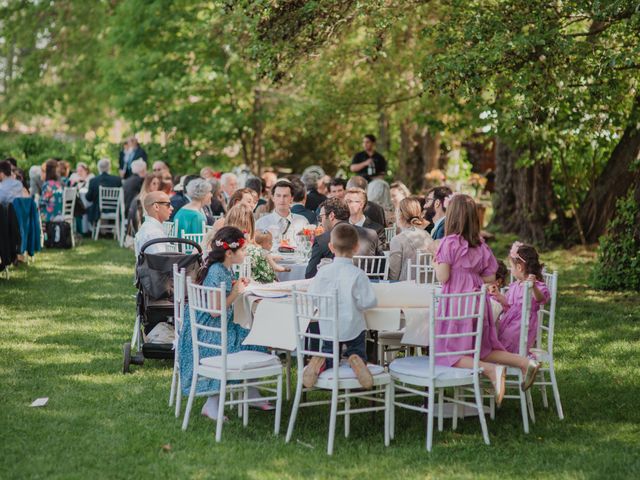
271	325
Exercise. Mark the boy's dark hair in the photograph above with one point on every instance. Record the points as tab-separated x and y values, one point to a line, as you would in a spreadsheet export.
12	161
344	238
5	167
338	207
337	182
370	136
501	273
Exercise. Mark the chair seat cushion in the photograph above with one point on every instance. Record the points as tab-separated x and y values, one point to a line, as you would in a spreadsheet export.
242	360
345	372
419	367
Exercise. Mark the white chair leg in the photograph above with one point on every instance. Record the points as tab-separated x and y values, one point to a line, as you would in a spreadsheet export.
245	405
532	413
523	408
332	421
288	375
294	409
192	394
556	391
479	406
441	409
431	408
174	382
387	413
276	427
96	230
454	419
178	397
543	390
392	411
347	417
221	402
492	407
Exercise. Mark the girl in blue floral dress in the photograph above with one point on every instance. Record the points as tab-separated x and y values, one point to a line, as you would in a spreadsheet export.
228	247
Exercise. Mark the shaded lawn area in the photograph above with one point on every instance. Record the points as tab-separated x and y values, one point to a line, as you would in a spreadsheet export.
64	320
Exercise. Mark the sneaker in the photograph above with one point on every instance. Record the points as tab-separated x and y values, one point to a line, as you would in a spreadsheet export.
311	371
362	372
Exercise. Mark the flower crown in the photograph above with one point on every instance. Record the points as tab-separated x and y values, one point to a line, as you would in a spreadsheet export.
513	253
232	245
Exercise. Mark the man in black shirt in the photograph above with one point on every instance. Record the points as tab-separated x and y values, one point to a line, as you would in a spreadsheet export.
369	163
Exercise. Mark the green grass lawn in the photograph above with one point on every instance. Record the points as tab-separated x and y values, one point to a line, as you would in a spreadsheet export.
64	320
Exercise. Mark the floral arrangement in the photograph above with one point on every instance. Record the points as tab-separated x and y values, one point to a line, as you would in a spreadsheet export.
477	182
311	232
436	177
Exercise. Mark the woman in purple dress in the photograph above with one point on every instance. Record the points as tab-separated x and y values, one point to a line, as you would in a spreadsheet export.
463	264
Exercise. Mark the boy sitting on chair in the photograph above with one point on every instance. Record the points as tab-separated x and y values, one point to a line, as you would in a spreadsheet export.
354	296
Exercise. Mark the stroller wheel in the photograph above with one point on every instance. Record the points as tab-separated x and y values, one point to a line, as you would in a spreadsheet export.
126	351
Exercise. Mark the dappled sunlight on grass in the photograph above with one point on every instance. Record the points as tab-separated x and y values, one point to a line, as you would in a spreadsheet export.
65	318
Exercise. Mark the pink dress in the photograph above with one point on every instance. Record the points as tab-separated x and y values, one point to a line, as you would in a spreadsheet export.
468	266
509	329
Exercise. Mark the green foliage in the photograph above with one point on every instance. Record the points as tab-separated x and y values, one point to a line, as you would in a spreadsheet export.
35	149
618	266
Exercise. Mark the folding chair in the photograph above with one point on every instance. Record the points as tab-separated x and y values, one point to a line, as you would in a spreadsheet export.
544	344
109	203
251	368
324	308
412	374
375	267
69	195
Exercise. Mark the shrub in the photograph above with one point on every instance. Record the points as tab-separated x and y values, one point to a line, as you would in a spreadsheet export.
618	264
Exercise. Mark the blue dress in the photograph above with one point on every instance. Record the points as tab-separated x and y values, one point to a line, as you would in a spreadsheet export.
217	274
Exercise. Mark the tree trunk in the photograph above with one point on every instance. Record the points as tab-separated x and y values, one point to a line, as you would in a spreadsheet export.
419	153
523	197
384	142
614	181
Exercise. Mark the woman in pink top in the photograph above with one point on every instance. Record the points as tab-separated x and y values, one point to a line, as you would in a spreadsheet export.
463	264
525	266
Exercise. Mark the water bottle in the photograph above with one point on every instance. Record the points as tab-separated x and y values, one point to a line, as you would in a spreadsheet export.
371	169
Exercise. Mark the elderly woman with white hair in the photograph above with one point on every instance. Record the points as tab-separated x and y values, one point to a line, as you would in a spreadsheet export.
191	217
378	191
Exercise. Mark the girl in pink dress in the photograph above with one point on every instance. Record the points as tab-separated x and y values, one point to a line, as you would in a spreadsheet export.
463	264
525	266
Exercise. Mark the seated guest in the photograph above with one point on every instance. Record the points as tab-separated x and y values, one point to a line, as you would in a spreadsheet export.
160	167
104	179
36	174
51	193
337	188
282	221
131	186
152	183
299	199
378	192
435	211
157	210
10	187
373	211
167	183
334	212
180	198
83	176
191	218
355	295
311	178
398	191
244	195
217	207
257	185
413	237
229	184
356	201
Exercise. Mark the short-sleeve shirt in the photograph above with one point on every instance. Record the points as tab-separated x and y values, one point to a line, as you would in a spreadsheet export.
379	164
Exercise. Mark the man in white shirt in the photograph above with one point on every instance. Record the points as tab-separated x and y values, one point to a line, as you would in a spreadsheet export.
157	209
355	295
356	200
228	185
281	222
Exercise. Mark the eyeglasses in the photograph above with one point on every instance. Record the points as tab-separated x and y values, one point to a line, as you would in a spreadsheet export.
321	216
166	204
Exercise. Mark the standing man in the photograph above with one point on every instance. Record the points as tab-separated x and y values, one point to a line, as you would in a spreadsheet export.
131	151
435	212
369	163
282	222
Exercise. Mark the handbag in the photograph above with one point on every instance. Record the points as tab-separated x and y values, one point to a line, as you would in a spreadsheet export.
58	235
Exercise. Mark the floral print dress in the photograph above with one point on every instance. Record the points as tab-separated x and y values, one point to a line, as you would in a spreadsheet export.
51	200
261	271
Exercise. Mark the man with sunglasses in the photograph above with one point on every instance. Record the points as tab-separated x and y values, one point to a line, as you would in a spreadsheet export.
157	208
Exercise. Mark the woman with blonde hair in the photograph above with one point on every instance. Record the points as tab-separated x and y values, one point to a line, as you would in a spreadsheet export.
413	237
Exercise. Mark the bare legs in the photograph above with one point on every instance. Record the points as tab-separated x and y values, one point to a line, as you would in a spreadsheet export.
488	363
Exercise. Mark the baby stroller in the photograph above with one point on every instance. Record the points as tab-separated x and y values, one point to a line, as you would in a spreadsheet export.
153	332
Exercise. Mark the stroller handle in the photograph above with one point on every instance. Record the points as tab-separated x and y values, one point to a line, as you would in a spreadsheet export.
170	240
